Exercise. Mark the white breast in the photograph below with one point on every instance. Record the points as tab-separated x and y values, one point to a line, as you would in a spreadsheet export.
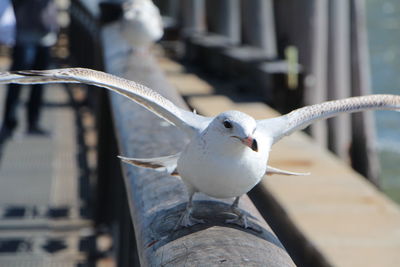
223	175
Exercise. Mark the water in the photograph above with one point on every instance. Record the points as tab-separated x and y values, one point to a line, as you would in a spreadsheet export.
383	21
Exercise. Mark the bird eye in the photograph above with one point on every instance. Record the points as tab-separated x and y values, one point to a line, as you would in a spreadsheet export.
227	124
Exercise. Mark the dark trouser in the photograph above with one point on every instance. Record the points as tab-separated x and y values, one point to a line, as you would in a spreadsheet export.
26	57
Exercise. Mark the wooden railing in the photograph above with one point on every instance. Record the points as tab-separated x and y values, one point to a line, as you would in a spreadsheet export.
142	206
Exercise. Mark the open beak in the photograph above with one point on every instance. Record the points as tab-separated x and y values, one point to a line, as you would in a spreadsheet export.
250	142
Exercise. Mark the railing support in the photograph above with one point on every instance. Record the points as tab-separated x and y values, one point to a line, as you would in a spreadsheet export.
223	17
259	25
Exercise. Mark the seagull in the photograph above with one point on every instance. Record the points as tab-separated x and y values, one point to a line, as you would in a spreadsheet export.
226	155
142	24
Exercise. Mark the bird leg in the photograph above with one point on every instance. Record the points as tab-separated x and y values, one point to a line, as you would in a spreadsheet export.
241	218
186	219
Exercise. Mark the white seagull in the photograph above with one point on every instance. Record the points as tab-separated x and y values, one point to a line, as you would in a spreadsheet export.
142	24
227	154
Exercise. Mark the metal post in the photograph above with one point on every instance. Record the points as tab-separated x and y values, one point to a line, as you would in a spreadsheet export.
259	25
339	74
363	150
169	8
223	17
193	16
316	81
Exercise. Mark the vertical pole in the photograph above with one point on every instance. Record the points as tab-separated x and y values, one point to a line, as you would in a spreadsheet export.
363	150
339	74
315	83
171	8
224	18
259	25
193	16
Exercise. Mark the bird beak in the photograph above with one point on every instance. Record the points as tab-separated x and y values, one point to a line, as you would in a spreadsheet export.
250	142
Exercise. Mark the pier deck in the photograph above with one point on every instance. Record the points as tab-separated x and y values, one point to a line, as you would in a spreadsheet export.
43	215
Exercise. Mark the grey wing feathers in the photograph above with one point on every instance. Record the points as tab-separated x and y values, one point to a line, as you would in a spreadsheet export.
13	77
302	117
141	94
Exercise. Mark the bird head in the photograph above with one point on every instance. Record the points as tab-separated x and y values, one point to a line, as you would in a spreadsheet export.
237	127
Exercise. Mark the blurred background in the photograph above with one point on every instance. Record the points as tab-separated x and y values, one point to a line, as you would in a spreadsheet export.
285	54
384	29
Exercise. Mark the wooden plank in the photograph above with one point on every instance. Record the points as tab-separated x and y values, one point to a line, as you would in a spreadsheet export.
156	199
190	85
342	216
169	66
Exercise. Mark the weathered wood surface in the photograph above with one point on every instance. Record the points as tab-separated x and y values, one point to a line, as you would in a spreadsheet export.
156	199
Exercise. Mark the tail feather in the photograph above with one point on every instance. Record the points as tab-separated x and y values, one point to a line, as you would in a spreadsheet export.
272	170
167	163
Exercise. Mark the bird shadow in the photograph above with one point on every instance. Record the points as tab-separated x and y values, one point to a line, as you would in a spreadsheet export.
214	213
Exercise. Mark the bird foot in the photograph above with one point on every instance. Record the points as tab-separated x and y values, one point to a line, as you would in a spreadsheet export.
240	220
187	220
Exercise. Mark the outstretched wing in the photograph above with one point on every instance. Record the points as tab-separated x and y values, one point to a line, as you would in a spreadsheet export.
302	117
187	121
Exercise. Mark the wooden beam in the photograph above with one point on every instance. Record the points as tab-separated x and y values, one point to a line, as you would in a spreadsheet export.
157	200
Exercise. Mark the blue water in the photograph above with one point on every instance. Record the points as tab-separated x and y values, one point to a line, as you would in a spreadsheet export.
383	21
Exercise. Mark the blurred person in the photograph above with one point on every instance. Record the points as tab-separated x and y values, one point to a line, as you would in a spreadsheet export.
36	32
7	23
